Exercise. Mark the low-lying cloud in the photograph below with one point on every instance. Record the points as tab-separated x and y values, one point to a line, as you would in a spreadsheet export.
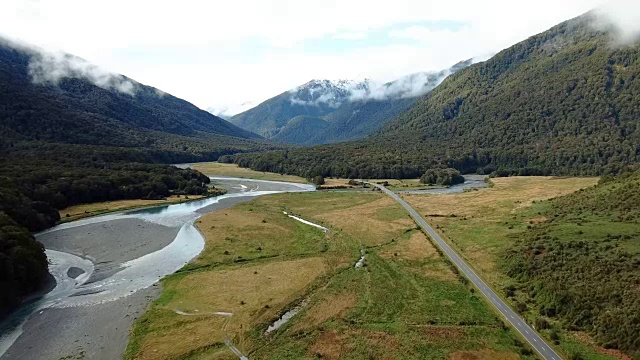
409	86
52	67
334	93
622	18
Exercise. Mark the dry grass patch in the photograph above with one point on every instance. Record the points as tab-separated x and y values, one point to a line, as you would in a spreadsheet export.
85	210
329	182
510	193
415	250
478	227
233	170
444	333
335	305
417	247
254	294
364	222
330	345
482	355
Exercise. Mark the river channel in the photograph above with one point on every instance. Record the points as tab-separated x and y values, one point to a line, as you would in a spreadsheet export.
106	270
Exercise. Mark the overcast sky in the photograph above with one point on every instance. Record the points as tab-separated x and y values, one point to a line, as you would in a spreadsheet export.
217	53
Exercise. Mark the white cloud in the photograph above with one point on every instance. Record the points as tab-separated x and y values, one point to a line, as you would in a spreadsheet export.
350	35
51	67
624	16
226	52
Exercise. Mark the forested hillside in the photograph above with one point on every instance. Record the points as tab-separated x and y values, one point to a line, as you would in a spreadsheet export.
76	111
561	102
72	141
580	265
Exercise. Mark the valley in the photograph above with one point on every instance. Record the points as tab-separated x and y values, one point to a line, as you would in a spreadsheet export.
104	268
415	209
251	248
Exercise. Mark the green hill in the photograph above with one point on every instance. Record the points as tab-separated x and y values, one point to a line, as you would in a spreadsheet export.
561	102
580	265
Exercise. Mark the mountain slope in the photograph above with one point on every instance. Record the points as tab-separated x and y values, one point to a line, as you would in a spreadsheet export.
74	110
561	102
579	264
70	134
353	110
315	98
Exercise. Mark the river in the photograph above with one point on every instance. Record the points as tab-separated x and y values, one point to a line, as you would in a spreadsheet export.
106	270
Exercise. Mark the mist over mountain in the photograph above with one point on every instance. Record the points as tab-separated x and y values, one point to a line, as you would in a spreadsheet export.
62	99
561	102
325	111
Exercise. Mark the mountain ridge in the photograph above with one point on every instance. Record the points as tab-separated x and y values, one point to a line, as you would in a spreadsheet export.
560	102
351	109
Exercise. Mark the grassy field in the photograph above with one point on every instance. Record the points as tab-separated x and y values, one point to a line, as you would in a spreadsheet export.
484	224
85	210
405	303
233	170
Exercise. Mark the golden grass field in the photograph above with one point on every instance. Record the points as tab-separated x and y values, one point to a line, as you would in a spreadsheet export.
478	228
406	303
253	294
233	170
85	210
258	262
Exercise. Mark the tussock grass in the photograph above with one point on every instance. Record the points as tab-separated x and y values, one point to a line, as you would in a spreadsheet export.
233	170
394	307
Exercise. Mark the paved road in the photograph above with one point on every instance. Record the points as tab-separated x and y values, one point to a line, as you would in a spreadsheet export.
532	337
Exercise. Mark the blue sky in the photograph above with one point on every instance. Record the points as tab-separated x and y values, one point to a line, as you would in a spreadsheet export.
223	53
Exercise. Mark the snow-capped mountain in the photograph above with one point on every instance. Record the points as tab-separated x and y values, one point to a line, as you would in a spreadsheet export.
329	92
325	111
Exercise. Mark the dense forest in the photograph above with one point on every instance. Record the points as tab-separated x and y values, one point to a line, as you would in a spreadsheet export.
566	101
75	142
580	266
32	190
76	111
23	264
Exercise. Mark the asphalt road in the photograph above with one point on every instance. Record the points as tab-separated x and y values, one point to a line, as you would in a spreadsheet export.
531	336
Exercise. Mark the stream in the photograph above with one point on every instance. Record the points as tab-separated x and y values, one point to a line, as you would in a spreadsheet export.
105	267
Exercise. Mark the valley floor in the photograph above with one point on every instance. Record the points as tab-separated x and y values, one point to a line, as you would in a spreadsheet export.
405	302
233	170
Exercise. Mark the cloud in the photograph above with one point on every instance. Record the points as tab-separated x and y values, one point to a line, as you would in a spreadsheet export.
52	67
352	35
228	111
622	17
334	93
214	53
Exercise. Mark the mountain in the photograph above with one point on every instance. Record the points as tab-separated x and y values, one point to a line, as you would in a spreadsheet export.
343	110
315	98
71	133
61	99
561	102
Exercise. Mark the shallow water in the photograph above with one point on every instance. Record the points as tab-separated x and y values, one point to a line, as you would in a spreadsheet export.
471	182
142	272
